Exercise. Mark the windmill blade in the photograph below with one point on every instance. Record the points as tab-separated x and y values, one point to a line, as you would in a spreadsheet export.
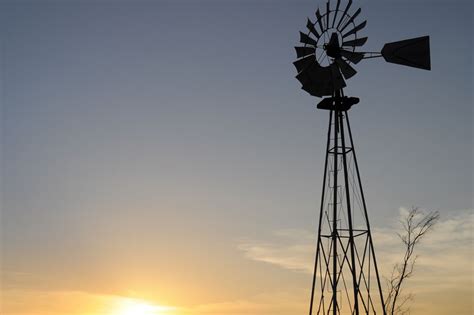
303	63
318	80
322	83
336	77
355	29
304	78
318	16
313	91
356	42
344	13
305	39
327	14
311	28
414	52
318	74
307	83
350	20
304	51
353	57
346	69
335	12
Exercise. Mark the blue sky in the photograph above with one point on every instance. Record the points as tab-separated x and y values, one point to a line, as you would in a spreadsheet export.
175	124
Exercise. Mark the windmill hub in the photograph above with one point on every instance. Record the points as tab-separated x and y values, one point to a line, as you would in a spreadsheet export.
332	48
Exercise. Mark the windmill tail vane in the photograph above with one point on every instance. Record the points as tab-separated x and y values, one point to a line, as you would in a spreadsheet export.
346	277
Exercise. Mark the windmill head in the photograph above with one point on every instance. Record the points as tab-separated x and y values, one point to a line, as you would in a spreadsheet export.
330	49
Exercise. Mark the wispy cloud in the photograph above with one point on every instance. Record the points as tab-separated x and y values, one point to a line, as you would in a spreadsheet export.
294	249
448	247
444	261
274	303
290	249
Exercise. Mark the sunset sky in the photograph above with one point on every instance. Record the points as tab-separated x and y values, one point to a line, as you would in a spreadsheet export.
160	158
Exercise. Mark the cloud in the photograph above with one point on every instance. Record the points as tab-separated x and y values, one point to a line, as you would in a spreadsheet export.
271	303
444	265
447	247
292	249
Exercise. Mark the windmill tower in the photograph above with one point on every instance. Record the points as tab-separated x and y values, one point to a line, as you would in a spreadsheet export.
346	277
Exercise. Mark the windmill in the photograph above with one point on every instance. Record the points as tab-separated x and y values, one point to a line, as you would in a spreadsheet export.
346	278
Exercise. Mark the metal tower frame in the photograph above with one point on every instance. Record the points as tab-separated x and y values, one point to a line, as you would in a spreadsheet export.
343	248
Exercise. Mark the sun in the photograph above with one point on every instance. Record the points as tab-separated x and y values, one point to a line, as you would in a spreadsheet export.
130	306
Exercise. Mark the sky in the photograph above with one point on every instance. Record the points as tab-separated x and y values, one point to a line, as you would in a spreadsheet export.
160	156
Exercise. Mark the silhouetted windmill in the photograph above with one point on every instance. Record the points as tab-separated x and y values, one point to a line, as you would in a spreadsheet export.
346	278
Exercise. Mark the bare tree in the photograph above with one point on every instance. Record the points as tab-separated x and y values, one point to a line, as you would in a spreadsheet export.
415	226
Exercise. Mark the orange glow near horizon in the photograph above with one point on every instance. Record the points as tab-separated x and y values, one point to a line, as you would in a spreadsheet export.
128	306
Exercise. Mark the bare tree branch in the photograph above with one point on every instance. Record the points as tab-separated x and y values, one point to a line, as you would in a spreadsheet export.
415	226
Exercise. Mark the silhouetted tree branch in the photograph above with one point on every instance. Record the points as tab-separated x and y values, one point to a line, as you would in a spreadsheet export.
415	226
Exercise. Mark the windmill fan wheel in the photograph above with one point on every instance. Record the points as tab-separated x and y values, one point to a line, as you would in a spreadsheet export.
329	51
